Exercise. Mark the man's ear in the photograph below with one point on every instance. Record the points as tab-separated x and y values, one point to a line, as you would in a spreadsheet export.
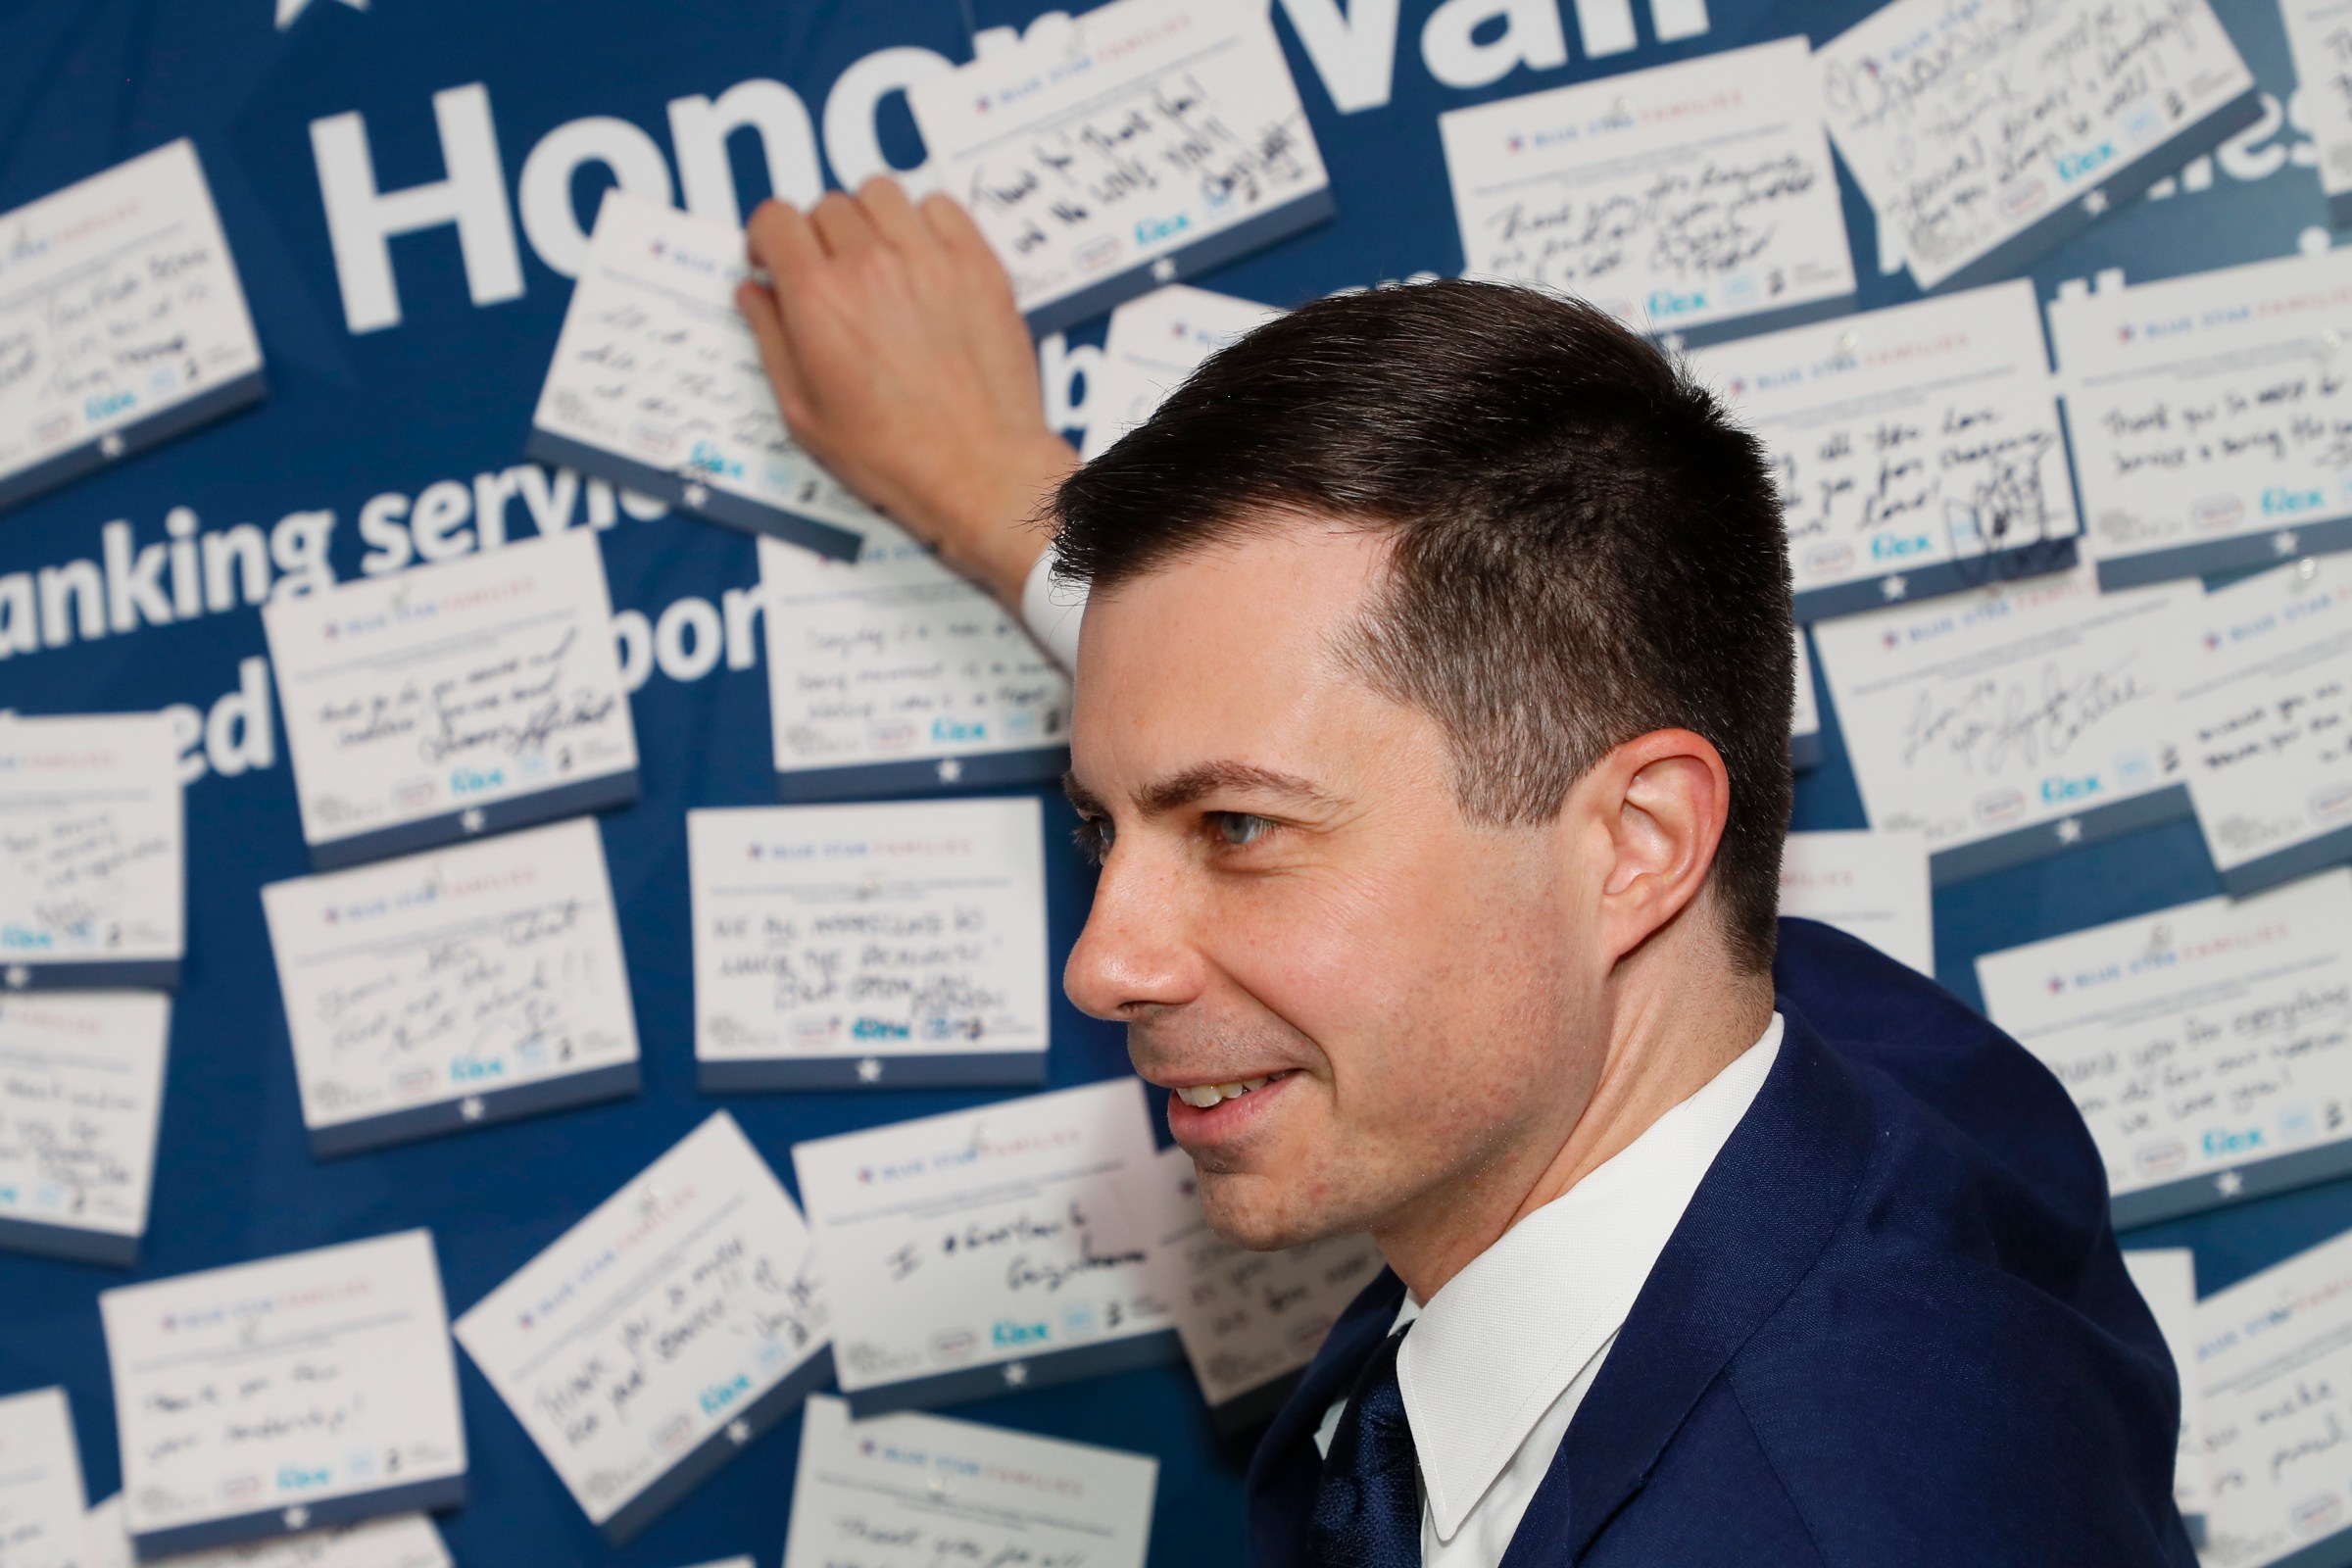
1656	807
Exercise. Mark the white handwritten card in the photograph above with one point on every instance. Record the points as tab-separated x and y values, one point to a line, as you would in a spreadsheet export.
986	1249
1804	722
875	946
1677	199
266	1398
2209	1046
1143	141
1248	1321
41	1483
92	846
454	699
2013	722
2319	34
1918	448
2263	681
1983	134
1872	886
891	676
121	322
2274	1365
82	1091
655	1338
1153	343
920	1490
2167	1280
454	988
2210	416
657	384
395	1541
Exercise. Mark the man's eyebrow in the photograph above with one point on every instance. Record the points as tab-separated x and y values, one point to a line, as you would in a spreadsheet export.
1208	778
1088	802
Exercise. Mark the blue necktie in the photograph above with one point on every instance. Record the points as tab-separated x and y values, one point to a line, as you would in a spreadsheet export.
1368	1505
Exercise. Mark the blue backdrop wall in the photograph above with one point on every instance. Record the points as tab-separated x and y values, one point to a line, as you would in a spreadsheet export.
445	393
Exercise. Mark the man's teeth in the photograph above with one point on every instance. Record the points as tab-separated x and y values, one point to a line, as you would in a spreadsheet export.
1202	1095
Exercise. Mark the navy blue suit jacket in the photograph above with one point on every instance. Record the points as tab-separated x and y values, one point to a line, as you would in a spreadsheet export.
1893	1327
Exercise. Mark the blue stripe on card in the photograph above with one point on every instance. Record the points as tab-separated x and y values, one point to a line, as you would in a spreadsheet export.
112	446
1185	264
707	1457
477	821
91	974
2285	865
2038	559
2218	1189
710	502
292	1519
966	1070
69	1242
2226	555
474	1110
1042	1371
868	781
2044	839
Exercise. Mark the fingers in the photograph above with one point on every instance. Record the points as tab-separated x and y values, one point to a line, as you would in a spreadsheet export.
758	307
884	203
841	224
780	239
955	229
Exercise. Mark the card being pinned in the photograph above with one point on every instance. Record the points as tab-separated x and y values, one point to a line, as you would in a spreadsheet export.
1144	142
121	322
657	384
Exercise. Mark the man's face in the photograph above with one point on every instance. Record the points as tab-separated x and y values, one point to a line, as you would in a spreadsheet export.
1291	895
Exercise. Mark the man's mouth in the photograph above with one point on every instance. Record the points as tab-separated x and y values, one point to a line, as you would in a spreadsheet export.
1202	1095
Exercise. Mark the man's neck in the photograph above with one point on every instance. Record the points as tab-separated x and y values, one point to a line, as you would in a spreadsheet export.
1666	1043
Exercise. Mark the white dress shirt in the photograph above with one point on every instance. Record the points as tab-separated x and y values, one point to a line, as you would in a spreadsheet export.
1501	1357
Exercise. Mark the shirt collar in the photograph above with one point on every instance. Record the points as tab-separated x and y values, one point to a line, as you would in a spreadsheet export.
1491	1352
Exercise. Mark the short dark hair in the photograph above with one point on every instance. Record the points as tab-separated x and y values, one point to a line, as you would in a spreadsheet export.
1587	547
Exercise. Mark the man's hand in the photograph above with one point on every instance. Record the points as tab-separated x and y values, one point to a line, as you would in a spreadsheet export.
900	363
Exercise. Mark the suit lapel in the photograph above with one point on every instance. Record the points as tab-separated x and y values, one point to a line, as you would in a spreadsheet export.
1285	1470
1754	1227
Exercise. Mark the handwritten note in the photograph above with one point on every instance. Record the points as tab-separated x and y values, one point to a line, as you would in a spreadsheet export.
92	884
454	988
892	674
2209	1046
1918	448
2011	722
1676	198
2275	1362
2212	416
1144	140
396	1541
875	946
657	384
81	1089
2263	680
2167	1280
1984	133
986	1249
266	1398
1153	343
2319	34
121	321
1872	886
454	699
920	1491
661	1334
1248	1320
41	1483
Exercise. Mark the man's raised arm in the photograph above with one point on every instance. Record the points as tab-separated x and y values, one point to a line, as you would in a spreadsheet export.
901	363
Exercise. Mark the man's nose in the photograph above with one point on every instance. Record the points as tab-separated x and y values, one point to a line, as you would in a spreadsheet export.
1137	948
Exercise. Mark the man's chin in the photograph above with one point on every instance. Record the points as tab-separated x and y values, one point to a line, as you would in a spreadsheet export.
1251	1211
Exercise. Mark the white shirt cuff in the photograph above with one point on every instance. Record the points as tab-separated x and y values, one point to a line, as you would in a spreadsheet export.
1053	612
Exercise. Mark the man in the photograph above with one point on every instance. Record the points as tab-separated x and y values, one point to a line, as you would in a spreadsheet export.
1432	708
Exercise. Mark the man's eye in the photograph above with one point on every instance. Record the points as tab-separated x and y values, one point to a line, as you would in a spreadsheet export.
1238	828
1093	838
